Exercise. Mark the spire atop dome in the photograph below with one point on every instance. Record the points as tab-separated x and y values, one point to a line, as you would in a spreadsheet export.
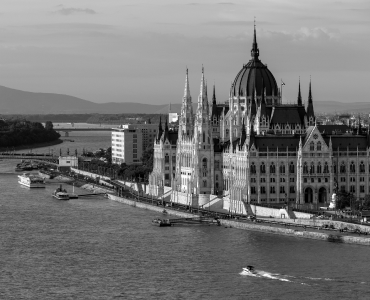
255	51
299	100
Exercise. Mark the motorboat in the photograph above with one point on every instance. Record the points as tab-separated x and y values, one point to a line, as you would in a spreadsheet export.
60	194
31	180
249	270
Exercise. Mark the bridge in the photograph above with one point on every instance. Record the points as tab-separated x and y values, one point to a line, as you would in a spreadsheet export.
54	160
68	130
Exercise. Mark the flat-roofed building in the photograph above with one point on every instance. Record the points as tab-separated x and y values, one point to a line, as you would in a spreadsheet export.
130	141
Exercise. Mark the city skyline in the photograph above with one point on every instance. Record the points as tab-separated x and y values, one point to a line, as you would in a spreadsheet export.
138	51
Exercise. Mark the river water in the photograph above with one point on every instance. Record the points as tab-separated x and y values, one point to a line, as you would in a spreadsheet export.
101	249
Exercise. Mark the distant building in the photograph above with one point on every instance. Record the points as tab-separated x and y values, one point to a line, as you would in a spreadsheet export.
173	117
130	141
67	162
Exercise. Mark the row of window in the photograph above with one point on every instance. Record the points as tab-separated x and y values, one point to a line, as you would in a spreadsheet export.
272	189
272	168
319	169
312	180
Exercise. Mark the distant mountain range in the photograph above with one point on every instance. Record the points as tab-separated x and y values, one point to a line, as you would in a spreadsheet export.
14	101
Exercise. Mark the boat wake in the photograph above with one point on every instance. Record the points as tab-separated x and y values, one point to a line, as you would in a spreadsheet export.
296	279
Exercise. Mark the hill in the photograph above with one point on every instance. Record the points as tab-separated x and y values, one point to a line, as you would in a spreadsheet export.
21	102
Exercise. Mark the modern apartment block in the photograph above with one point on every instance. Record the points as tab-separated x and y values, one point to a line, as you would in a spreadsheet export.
130	141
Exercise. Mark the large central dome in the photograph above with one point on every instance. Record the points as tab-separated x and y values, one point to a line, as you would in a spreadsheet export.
254	76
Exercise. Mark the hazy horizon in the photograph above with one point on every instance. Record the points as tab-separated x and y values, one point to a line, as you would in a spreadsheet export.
131	51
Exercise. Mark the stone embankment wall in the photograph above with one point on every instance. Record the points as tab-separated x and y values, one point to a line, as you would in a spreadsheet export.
319	222
277	212
89	174
255	226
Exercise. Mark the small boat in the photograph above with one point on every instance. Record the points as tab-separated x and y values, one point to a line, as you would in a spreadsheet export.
31	181
60	194
248	270
162	223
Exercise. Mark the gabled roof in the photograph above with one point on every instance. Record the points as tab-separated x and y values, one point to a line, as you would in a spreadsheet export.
262	142
347	141
333	129
291	114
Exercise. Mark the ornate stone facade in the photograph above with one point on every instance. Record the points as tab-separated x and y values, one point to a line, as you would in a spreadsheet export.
254	149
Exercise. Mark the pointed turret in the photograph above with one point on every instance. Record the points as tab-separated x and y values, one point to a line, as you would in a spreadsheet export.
214	103
253	104
310	111
255	51
252	136
299	100
166	135
187	89
263	104
160	130
186	117
243	136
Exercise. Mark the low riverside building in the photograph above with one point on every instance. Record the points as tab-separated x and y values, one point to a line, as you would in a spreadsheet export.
130	141
254	149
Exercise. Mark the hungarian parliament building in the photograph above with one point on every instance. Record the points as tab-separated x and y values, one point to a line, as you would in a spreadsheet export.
253	149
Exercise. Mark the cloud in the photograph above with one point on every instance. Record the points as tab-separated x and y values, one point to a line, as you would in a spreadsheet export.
71	10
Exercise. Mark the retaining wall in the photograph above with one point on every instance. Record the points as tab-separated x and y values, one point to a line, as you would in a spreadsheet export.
253	226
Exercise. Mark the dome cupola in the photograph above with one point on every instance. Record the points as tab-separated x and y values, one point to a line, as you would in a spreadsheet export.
255	76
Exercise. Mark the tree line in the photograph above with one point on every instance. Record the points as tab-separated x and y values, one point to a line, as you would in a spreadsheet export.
15	133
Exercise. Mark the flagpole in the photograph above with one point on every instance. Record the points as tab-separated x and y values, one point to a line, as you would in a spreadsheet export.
281	90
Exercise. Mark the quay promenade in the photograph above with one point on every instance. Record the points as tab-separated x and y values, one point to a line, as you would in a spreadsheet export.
261	224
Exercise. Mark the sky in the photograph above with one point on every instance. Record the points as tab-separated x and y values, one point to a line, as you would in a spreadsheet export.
138	51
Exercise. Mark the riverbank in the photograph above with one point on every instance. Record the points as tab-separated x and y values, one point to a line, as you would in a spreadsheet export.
248	225
33	146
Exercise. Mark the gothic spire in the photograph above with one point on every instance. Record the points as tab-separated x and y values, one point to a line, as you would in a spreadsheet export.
214	95
166	134
310	93
255	51
187	89
243	136
160	130
202	84
299	100
310	111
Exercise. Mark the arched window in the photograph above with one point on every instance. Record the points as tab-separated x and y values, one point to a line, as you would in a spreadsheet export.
227	131
204	163
167	159
263	168
312	168
362	167
305	168
282	168
352	167
216	176
253	168
204	137
204	183
272	168
343	168
312	146
326	168
291	168
319	168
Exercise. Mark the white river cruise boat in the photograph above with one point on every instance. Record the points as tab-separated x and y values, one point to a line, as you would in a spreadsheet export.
31	181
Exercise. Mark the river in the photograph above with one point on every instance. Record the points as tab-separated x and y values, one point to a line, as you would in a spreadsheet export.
101	249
